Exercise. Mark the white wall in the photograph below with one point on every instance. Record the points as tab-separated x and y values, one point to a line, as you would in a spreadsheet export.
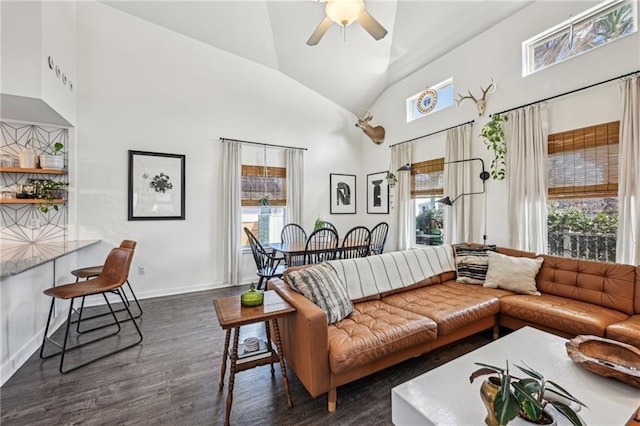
142	87
497	53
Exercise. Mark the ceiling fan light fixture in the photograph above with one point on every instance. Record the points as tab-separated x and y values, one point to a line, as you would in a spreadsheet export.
344	12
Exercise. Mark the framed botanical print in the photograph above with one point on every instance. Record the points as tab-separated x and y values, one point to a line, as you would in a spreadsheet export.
342	190
377	193
156	186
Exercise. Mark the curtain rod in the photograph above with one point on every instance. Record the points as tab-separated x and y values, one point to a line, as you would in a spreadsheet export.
261	144
567	93
432	133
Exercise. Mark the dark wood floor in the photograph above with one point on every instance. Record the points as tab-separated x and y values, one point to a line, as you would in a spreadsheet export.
171	378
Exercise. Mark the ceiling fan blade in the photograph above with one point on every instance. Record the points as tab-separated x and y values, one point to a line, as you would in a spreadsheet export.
372	26
319	32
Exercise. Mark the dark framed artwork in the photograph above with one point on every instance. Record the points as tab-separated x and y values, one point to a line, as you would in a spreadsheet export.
156	186
342	190
377	193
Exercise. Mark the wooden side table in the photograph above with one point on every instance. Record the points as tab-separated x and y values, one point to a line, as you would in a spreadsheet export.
231	316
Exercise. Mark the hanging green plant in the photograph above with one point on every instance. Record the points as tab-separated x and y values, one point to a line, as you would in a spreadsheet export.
493	134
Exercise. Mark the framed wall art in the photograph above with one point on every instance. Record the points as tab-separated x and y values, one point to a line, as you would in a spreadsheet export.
377	193
342	190
156	186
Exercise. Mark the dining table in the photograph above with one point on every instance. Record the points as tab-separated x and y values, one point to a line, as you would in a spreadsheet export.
298	248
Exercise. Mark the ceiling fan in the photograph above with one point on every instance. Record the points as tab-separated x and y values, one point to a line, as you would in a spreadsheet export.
344	13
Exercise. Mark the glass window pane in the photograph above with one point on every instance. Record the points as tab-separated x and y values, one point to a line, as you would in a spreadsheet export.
428	223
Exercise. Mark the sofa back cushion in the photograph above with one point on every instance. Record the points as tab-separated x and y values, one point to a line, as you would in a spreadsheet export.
371	275
610	285
637	292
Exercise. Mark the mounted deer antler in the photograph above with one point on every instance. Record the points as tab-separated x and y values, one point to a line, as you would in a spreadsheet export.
480	103
375	133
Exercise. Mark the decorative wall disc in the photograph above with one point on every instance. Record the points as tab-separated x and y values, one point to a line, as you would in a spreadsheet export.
427	101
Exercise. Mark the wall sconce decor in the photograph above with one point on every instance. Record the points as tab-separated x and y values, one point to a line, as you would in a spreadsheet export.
484	175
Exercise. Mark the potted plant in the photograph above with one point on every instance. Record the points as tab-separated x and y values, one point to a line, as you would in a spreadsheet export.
493	134
53	160
318	224
50	190
525	397
28	157
391	179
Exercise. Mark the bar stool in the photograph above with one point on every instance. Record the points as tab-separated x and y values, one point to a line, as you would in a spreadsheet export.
113	276
94	271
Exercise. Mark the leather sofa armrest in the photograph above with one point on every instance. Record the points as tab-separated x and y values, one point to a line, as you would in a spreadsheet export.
304	339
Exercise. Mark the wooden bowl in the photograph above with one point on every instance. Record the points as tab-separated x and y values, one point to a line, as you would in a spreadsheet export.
606	357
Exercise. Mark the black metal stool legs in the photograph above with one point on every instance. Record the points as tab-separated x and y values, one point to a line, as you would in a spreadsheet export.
63	347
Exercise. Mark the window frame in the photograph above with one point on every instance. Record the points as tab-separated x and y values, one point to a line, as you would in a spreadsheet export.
410	103
529	45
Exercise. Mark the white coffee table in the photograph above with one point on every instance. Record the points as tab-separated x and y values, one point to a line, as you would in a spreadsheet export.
444	396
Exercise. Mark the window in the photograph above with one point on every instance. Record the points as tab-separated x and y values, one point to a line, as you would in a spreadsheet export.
583	187
263	202
444	100
607	22
427	182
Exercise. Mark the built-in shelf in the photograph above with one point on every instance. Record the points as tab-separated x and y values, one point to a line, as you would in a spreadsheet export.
35	171
31	201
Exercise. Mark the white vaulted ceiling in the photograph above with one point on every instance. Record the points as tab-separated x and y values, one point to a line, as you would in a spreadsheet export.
349	69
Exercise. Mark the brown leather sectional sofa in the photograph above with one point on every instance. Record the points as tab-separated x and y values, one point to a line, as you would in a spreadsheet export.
578	297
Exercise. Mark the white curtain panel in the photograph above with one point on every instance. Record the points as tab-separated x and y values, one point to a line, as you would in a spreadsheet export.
231	224
457	180
401	155
628	241
295	185
526	132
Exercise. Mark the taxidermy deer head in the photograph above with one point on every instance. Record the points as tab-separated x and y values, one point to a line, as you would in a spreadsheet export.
375	133
480	103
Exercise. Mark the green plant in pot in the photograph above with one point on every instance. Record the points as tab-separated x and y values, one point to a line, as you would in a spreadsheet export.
318	224
50	190
391	179
525	397
53	158
493	134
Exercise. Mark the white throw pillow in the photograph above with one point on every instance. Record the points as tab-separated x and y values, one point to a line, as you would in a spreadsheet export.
513	273
321	285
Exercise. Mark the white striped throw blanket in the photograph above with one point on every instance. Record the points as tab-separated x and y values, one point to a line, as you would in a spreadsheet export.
366	276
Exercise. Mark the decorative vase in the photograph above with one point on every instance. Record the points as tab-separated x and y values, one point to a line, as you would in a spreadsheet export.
520	421
28	159
490	387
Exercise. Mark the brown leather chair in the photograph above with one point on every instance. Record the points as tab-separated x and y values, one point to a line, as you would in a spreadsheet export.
113	275
94	271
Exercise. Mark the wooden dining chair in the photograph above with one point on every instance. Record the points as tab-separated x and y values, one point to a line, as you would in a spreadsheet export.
292	233
113	275
379	237
94	271
356	243
268	265
321	246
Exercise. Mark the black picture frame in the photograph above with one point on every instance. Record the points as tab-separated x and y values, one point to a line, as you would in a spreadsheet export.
342	193
156	186
377	193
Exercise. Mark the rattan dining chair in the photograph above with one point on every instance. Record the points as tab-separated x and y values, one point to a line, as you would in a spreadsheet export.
321	246
379	237
113	275
294	233
356	243
94	271
268	265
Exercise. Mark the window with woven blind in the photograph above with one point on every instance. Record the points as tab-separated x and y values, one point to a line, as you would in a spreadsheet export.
260	181
427	178
583	163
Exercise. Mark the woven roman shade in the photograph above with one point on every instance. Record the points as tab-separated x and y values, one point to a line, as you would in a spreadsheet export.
255	185
583	163
427	178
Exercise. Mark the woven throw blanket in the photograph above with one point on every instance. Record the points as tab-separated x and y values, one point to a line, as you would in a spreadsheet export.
366	276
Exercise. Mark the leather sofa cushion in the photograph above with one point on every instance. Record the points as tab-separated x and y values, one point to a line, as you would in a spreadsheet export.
627	331
375	330
570	316
451	308
610	285
496	292
637	292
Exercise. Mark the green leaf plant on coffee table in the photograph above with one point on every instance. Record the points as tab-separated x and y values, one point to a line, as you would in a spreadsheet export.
526	396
